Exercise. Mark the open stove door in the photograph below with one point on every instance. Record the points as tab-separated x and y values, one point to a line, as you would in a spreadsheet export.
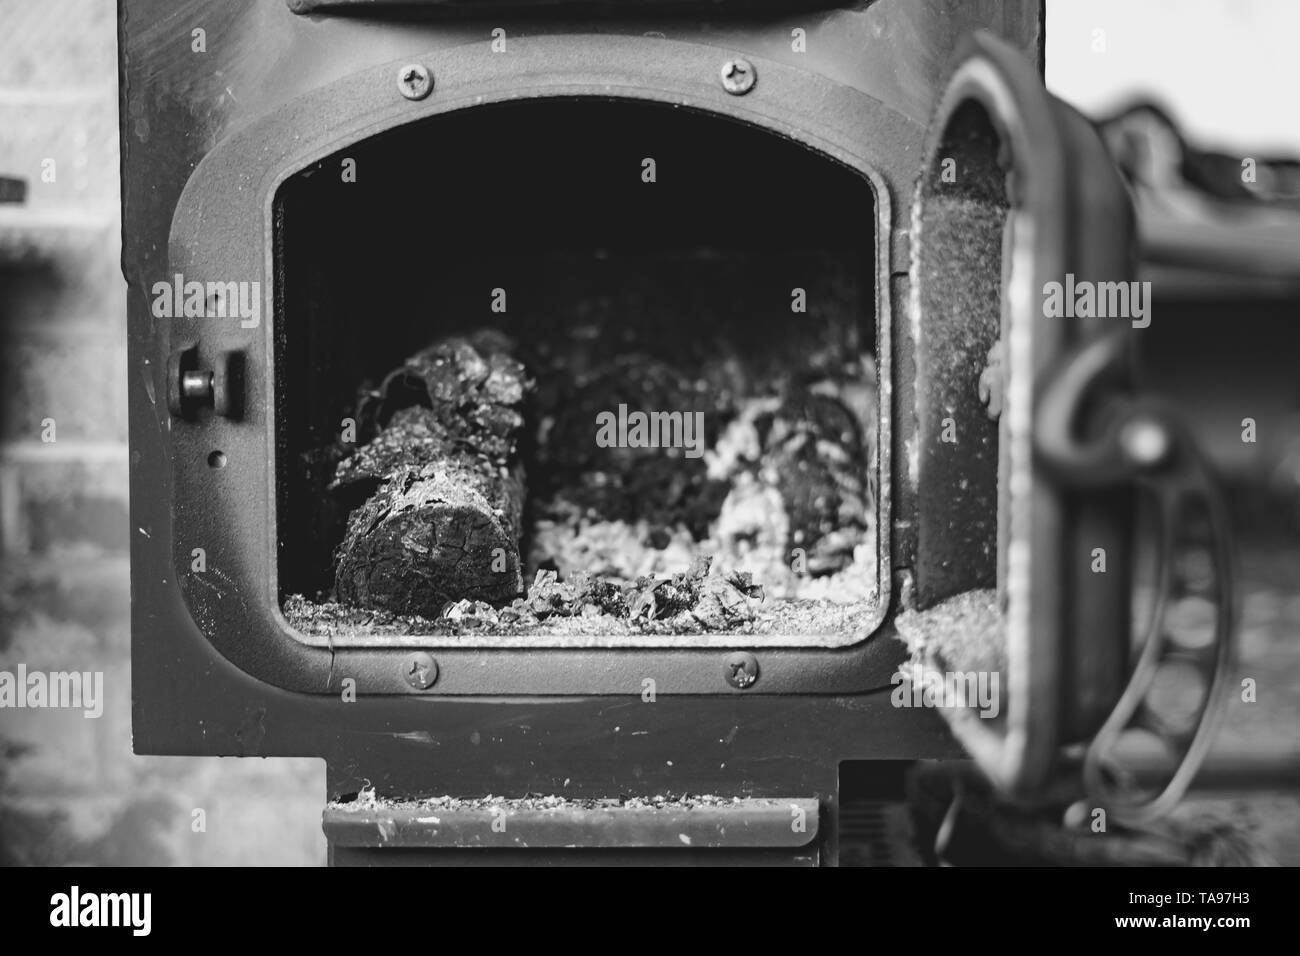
1038	472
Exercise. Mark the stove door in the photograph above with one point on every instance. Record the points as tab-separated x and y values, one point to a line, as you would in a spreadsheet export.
1035	464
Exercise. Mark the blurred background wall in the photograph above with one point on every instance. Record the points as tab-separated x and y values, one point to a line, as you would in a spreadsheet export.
71	792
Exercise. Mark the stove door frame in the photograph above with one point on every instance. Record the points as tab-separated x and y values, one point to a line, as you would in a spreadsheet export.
224	227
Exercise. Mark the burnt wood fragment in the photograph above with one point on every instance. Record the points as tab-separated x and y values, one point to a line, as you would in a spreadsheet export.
445	489
816	451
665	486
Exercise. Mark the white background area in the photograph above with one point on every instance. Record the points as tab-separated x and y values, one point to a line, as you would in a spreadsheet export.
1227	71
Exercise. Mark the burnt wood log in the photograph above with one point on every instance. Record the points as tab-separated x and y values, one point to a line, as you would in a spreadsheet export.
664	486
816	452
442	484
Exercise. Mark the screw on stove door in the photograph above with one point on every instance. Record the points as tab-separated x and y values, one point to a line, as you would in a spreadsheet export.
741	669
414	81
738	76
420	670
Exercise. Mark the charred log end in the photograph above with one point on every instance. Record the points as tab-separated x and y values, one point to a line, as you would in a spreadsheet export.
428	538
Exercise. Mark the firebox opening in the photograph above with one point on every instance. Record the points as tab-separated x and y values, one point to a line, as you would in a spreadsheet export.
580	371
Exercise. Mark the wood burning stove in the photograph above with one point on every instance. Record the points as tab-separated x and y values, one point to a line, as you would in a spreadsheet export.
393	270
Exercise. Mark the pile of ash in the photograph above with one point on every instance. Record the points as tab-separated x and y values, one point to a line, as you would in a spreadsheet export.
633	493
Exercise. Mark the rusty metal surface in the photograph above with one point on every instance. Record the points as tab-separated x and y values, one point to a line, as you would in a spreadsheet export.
458	857
224	226
875	69
260	56
747	824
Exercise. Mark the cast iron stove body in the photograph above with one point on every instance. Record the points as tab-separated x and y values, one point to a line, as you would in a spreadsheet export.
239	122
